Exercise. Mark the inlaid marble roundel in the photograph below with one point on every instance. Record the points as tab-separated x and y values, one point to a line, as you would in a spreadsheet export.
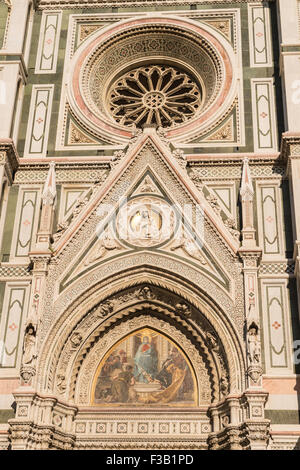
145	222
169	72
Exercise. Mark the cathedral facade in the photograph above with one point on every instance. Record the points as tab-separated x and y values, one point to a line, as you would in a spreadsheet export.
149	224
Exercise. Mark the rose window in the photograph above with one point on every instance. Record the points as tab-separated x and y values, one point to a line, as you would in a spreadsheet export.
159	95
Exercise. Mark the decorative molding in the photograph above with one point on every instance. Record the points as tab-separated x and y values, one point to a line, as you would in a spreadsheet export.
298	11
228	170
276	326
45	4
25	222
227	198
269	212
113	50
263	106
9	8
225	133
9	158
39	121
85	30
47	53
10	271
12	323
116	426
267	269
278	344
290	145
78	137
222	25
259	35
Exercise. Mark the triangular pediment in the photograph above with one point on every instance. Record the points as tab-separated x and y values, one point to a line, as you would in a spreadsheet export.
148	204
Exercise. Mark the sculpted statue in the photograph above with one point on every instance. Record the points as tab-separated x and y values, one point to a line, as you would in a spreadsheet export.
105	308
61	228
253	345
76	339
189	246
61	383
183	309
212	341
105	245
145	293
29	347
147	186
224	385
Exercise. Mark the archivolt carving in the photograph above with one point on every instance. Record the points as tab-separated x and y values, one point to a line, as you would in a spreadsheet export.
159	261
69	365
184	295
115	307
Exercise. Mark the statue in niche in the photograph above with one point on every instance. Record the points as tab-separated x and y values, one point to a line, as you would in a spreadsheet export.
29	347
253	344
224	385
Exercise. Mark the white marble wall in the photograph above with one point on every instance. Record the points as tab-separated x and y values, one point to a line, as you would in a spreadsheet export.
289	33
11	71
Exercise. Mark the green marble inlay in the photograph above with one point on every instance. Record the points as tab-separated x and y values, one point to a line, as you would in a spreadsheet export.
9	222
283	416
3	19
5	415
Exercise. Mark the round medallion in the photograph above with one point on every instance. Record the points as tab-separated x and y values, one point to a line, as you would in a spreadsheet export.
145	222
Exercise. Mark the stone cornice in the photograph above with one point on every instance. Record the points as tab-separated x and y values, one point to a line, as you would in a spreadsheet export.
65	163
9	158
12	58
290	145
233	158
48	4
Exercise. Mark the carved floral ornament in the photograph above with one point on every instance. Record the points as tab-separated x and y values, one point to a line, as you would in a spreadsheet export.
169	72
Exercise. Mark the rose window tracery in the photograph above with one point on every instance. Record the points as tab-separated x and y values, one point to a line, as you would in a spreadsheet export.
159	95
159	71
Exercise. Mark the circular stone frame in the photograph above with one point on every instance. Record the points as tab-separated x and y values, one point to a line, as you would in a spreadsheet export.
115	49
